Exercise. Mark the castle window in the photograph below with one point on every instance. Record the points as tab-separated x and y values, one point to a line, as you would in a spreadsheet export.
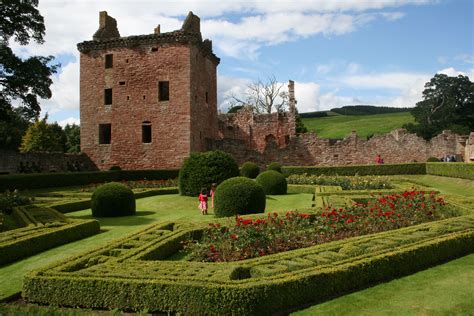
109	61
154	49
163	91
108	96
104	133
122	83
207	97
146	132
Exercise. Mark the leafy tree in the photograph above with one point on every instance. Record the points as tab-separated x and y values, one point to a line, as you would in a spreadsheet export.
300	128
263	96
12	128
235	108
22	81
42	136
448	103
73	138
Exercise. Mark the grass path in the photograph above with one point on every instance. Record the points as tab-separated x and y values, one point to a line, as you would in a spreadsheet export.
446	289
149	210
342	125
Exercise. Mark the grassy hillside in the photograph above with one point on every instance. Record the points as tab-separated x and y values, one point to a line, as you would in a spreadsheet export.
340	126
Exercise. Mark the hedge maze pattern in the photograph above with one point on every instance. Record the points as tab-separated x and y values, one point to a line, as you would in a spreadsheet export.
134	273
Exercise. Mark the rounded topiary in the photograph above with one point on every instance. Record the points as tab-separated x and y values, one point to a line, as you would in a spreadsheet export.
275	166
239	195
272	182
200	170
112	199
433	159
249	170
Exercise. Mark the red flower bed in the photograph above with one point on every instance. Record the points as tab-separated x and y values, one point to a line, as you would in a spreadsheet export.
248	238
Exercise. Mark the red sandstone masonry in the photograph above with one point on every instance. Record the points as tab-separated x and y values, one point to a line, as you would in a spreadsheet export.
179	125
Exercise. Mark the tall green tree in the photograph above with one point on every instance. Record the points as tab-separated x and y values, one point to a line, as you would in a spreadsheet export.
22	81
43	137
300	127
448	103
73	138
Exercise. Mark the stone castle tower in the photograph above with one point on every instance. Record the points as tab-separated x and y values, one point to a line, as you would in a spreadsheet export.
147	101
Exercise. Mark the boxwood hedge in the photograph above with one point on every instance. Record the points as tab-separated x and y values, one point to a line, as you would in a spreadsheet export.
361	170
27	241
47	180
120	276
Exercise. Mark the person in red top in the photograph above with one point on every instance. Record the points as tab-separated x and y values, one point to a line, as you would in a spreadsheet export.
378	159
203	201
213	192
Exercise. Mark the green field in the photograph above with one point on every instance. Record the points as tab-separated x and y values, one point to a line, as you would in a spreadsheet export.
339	126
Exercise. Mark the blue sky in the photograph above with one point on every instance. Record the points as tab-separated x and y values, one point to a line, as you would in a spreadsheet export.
338	52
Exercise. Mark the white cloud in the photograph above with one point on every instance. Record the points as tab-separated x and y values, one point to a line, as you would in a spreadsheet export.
443	59
465	58
392	80
70	121
393	16
454	73
244	37
65	90
227	87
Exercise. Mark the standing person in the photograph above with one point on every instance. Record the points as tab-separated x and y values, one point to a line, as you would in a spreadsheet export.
213	193
203	201
378	159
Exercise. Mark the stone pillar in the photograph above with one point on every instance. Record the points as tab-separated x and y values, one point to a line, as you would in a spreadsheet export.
469	149
291	108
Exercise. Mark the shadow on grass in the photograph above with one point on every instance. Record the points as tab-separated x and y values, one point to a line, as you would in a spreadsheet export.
138	219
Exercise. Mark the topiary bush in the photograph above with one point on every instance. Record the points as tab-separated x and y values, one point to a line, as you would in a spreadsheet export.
249	170
239	195
275	166
272	182
111	200
202	169
433	159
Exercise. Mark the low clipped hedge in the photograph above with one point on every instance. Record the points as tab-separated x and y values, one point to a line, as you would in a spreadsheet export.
272	182
261	286
24	242
239	195
451	169
113	199
48	180
249	170
275	166
361	170
201	170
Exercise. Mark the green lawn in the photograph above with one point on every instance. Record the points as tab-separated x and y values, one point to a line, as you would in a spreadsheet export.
149	210
447	289
340	126
441	290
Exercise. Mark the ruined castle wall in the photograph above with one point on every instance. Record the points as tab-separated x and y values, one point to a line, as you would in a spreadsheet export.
134	81
255	130
308	149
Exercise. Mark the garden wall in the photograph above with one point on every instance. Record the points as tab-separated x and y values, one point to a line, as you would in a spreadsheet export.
15	162
308	149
